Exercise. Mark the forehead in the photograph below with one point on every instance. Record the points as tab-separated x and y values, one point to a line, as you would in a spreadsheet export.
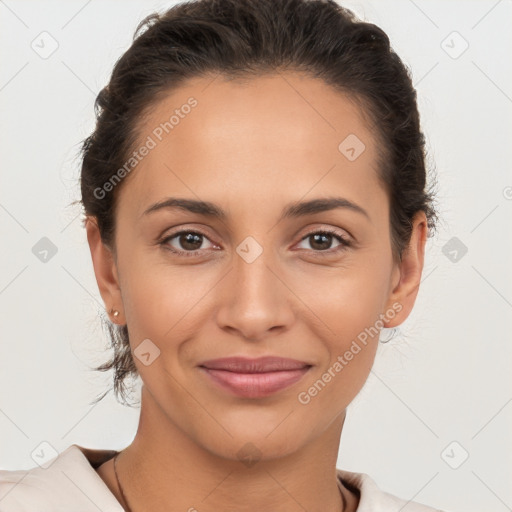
278	133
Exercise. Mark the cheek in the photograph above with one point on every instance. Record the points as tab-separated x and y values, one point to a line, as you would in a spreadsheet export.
345	299
161	300
349	304
352	348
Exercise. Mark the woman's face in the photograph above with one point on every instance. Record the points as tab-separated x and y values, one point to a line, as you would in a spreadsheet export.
257	281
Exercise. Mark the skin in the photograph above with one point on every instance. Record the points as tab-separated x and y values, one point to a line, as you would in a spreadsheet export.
251	148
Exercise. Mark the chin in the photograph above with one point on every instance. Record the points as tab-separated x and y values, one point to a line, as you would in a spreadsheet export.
249	446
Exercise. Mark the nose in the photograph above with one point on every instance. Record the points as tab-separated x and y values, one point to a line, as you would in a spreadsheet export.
256	300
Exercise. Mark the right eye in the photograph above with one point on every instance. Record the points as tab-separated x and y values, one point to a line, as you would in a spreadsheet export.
190	242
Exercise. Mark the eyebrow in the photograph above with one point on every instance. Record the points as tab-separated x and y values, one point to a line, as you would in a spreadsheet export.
292	210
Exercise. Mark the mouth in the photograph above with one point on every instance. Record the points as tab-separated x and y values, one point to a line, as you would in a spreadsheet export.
254	378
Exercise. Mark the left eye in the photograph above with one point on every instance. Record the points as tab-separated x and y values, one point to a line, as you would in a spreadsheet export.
322	240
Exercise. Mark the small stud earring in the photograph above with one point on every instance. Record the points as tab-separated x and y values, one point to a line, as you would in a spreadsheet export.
114	312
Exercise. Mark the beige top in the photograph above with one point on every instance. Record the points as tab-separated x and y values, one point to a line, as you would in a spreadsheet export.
69	482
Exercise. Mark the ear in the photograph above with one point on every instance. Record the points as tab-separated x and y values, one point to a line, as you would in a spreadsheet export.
105	270
407	274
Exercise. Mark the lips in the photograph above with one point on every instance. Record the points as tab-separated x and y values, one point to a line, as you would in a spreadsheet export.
254	378
259	365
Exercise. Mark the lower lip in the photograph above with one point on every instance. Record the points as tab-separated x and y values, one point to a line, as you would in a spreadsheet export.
255	385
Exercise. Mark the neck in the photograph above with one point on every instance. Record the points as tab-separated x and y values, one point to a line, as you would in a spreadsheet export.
165	469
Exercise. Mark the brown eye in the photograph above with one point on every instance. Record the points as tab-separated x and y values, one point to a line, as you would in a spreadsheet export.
323	241
186	243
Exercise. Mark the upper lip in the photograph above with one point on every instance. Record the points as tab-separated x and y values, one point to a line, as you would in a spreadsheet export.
258	365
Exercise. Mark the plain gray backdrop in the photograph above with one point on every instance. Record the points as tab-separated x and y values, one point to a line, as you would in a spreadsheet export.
434	420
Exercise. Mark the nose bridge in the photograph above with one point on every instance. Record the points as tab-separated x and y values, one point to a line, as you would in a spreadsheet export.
255	299
253	278
251	269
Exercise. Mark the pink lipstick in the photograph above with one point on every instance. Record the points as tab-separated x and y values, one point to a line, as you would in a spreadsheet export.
254	378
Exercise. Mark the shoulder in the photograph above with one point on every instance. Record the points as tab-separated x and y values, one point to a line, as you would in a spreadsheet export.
373	499
66	482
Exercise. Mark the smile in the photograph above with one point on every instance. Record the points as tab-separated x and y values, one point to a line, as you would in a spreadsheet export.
255	378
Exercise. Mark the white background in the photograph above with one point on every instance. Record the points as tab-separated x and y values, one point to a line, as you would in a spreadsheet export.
445	378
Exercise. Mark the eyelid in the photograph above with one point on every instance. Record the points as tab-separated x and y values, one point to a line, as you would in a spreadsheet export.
345	242
165	238
331	230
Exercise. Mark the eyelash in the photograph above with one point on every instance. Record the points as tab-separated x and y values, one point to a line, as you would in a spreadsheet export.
344	242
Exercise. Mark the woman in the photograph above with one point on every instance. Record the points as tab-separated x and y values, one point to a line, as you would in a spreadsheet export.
256	209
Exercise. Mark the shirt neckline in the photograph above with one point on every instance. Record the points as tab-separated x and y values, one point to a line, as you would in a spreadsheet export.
94	457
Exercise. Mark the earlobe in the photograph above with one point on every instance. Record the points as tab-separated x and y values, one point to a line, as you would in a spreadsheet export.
105	271
410	271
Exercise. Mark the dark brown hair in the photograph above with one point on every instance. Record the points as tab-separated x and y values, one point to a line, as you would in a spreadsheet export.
244	39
